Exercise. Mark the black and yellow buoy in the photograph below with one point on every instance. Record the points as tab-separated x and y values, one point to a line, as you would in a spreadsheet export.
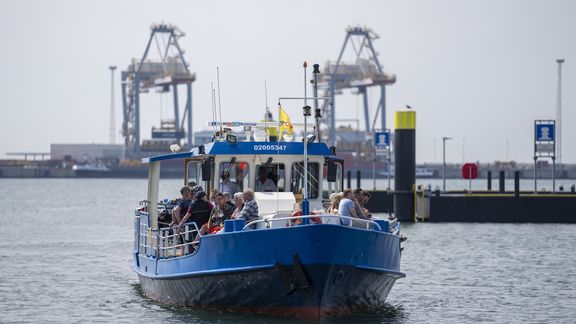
404	163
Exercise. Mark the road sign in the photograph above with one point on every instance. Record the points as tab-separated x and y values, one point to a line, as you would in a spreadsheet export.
545	147
544	132
382	139
382	152
470	171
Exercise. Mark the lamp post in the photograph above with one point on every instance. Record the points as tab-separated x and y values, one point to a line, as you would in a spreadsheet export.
444	139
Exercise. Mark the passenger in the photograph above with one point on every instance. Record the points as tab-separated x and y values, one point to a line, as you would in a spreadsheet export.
364	202
213	194
238	204
180	210
249	211
264	183
199	211
226	185
346	206
228	199
219	214
335	199
358	199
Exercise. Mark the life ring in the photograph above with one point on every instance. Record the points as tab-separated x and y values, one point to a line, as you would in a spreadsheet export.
298	221
215	229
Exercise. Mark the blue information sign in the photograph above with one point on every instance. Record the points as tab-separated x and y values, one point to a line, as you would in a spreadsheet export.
544	132
382	139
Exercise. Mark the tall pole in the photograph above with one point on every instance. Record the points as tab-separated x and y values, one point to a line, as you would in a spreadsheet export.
559	113
305	204
444	139
112	108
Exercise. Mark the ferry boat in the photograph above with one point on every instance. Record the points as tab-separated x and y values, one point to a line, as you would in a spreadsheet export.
309	266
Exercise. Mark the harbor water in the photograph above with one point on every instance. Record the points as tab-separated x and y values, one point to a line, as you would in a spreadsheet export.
65	255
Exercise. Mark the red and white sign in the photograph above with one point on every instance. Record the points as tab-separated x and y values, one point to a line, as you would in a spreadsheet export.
470	171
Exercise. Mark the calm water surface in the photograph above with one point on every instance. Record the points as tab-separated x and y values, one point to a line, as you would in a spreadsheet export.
65	254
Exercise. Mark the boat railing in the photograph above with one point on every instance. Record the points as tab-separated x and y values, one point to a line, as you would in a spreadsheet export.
165	242
392	226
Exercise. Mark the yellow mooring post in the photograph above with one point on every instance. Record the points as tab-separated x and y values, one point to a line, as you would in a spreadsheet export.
404	164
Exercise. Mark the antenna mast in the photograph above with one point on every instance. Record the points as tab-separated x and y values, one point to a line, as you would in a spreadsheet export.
219	102
266	112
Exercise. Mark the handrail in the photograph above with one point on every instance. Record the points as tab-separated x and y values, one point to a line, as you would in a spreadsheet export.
156	242
367	221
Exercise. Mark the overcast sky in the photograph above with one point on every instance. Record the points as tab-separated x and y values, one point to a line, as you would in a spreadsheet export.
477	71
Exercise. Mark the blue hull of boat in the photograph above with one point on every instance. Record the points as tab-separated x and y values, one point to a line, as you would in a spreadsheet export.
309	271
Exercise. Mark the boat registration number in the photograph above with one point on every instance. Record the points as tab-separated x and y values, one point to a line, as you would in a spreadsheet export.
271	147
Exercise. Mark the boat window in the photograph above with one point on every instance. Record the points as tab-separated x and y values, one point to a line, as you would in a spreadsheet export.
194	172
271	177
297	181
332	187
233	177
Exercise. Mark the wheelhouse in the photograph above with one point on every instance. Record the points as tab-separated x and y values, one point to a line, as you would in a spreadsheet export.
265	167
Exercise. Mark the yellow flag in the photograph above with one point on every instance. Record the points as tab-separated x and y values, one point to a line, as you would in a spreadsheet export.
285	124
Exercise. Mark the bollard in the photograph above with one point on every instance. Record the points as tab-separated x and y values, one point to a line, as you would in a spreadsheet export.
489	177
349	179
516	183
502	182
404	163
358	177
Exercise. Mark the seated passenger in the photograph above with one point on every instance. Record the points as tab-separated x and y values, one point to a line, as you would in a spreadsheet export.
264	183
249	211
366	198
358	199
238	204
213	194
226	185
228	199
346	206
335	199
221	212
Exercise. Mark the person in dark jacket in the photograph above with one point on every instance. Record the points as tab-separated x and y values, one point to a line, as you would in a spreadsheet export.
199	211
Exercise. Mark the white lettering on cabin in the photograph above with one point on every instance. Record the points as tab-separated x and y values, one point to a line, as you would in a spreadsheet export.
270	147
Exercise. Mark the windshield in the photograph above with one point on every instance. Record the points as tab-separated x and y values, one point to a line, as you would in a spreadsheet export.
297	181
233	177
270	177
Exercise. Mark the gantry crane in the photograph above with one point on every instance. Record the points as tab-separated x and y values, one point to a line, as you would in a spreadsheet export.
365	72
163	73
